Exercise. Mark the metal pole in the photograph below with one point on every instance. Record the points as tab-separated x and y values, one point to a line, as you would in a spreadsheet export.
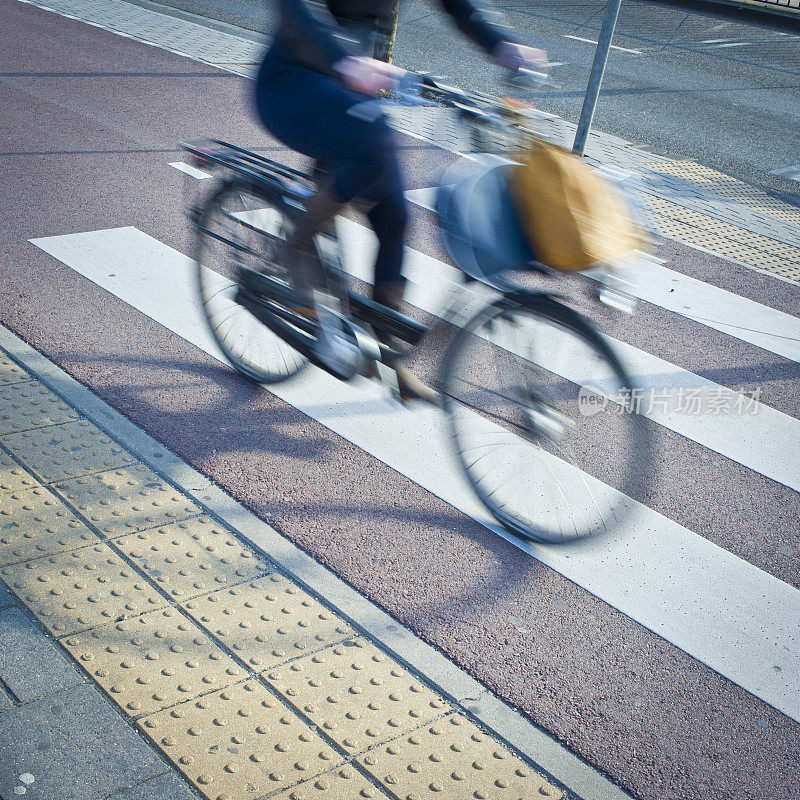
387	30
598	68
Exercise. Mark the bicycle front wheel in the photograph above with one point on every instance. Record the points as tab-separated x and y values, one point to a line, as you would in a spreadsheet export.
240	227
543	420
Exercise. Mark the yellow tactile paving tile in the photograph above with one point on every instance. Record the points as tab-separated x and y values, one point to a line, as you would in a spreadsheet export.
268	621
345	783
729	187
34	523
718	236
71	592
30	405
153	661
10	372
357	694
64	451
454	759
13	478
192	557
240	743
126	500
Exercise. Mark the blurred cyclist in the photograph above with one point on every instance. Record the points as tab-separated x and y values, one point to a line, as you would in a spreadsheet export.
314	74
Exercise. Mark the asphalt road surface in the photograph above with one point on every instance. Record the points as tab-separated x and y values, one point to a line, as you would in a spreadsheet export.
662	692
715	85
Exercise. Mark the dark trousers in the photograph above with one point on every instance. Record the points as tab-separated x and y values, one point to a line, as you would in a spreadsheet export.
308	112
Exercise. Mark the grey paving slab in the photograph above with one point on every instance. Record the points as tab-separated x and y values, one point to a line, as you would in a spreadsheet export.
74	746
169	32
163	787
31	665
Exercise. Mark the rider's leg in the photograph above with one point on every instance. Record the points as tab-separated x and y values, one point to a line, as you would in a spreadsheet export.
360	151
299	252
388	219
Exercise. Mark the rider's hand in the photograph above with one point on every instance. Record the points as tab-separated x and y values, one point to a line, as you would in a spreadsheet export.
513	56
367	75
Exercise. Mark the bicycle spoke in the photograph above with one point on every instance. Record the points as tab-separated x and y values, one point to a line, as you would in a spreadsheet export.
239	229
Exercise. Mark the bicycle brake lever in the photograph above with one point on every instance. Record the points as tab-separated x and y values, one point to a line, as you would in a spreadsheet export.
529	78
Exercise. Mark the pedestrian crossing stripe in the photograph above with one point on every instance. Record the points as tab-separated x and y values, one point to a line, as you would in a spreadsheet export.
735	618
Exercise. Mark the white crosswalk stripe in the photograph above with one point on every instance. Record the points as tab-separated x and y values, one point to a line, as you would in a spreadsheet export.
728	614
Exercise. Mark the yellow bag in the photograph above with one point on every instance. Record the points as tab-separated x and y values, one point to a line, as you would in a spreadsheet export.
571	216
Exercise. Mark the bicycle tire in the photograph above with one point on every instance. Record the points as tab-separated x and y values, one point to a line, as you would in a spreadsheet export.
241	226
568	462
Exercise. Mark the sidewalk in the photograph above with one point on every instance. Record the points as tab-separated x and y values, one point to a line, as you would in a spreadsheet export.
156	636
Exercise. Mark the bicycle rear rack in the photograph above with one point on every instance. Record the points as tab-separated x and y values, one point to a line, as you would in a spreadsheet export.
245	162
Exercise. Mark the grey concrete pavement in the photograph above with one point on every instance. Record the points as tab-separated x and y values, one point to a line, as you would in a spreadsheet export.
686	81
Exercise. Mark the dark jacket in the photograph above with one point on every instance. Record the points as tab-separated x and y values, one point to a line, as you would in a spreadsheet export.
318	34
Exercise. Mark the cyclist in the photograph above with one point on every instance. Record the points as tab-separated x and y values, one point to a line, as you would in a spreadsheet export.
317	70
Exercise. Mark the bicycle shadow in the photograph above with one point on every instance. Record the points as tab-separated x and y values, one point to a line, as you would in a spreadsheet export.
224	423
217	412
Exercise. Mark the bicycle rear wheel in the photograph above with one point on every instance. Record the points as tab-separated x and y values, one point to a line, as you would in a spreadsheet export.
240	227
543	420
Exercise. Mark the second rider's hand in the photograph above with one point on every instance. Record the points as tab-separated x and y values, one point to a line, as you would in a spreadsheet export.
513	56
367	75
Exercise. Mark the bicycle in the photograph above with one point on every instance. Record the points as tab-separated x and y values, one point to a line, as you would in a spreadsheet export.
533	393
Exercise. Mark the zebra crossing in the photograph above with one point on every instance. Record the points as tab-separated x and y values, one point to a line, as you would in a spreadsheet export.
730	615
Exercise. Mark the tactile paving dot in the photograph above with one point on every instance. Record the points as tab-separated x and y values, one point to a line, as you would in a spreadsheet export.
454	759
239	743
34	523
30	405
344	783
13	477
268	621
63	451
153	661
126	500
192	557
357	694
10	372
70	592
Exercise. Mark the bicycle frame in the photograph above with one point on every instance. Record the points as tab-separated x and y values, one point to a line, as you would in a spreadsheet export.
269	299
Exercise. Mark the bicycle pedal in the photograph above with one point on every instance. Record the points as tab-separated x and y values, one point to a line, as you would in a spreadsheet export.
548	422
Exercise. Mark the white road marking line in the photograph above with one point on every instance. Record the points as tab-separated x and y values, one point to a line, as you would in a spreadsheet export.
200	174
701	302
719	609
735	44
613	46
791	173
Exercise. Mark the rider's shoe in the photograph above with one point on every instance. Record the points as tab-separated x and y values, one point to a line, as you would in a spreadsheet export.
333	347
339	353
409	386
